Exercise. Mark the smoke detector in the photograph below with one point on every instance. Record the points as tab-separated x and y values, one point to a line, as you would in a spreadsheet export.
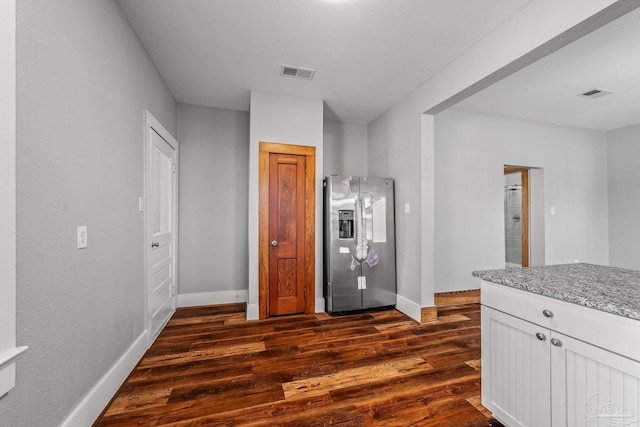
595	93
299	72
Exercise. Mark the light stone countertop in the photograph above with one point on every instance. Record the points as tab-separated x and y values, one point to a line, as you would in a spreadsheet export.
610	289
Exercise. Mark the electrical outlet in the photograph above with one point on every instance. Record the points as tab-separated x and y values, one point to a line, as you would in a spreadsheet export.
82	236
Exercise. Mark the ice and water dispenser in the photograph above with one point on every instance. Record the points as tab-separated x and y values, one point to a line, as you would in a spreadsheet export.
345	224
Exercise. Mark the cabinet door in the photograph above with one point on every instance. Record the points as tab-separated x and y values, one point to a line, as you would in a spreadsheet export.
515	370
592	386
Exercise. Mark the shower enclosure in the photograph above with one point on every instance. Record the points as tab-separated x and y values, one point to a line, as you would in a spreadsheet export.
516	227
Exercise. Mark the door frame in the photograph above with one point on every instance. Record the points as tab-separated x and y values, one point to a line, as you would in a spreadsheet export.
151	124
524	184
265	149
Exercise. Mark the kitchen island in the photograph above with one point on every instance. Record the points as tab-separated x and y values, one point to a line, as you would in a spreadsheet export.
561	345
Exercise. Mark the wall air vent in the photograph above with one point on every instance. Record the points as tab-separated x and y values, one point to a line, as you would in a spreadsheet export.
301	73
595	93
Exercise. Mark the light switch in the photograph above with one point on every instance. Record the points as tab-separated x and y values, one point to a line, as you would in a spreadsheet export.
553	210
82	236
407	208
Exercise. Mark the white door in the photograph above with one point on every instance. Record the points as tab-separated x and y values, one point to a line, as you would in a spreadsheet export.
515	370
592	386
161	196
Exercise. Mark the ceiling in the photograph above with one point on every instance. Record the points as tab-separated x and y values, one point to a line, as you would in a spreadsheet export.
546	91
368	53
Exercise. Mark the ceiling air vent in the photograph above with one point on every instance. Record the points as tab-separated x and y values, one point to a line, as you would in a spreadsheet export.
301	73
595	93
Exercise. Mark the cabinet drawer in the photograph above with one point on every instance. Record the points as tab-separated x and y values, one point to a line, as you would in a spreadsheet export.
614	333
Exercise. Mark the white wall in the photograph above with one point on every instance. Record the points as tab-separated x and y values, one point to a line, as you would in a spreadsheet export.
7	189
214	188
285	120
401	131
398	157
471	151
84	81
623	155
345	149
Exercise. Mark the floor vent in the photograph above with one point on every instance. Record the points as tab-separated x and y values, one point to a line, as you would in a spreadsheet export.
301	73
596	93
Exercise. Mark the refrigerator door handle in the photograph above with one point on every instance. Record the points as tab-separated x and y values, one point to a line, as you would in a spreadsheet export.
361	246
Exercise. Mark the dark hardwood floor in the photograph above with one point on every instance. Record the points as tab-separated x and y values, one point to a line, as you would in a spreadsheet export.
211	367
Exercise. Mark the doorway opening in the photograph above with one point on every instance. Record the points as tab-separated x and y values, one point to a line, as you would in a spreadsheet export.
516	216
524	216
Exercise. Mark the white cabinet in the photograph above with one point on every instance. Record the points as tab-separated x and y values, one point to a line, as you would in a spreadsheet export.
591	386
514	386
539	368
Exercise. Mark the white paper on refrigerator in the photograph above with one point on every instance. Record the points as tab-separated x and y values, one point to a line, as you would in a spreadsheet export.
379	220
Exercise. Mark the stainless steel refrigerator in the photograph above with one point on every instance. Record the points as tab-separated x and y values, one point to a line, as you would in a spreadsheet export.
359	243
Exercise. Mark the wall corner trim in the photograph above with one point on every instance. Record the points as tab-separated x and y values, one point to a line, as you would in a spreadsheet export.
428	314
96	400
253	313
409	308
8	368
9	356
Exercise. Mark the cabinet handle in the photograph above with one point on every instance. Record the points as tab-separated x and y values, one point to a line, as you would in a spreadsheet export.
547	313
556	342
540	336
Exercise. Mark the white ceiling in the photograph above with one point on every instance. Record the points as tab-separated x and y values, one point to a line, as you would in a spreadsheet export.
368	53
608	58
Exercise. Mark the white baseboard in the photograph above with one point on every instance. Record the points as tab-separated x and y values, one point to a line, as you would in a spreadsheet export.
212	298
253	312
409	308
8	368
99	396
320	305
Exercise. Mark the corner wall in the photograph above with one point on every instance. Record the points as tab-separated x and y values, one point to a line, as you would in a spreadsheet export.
471	151
528	36
345	149
214	192
84	81
623	152
285	120
394	152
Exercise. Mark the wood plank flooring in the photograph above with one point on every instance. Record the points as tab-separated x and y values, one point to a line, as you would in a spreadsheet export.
457	297
210	367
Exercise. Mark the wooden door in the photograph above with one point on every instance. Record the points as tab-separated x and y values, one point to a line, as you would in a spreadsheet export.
524	182
286	253
286	234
